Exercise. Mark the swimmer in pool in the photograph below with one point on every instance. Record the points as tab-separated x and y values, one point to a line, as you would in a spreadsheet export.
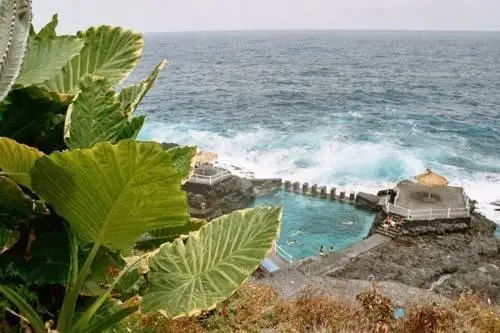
298	232
292	242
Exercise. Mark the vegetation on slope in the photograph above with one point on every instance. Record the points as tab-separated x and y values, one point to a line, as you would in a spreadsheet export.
257	308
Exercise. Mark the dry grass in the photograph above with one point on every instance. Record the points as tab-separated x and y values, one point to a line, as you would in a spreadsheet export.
257	308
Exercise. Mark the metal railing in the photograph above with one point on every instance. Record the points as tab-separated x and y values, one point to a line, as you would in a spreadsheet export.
210	180
428	214
278	250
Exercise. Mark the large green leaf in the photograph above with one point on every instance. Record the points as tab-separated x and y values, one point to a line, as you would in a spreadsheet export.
131	128
46	58
108	52
94	116
130	97
15	20
17	160
111	194
49	31
188	277
31	117
15	205
155	238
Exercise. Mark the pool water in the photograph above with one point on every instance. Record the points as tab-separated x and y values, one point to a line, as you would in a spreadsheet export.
322	222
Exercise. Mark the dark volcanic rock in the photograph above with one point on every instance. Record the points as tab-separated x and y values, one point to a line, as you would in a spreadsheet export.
229	195
168	145
449	264
266	186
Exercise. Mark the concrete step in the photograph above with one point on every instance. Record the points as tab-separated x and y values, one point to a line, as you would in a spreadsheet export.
389	232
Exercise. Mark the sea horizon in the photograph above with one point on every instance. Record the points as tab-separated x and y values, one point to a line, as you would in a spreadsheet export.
271	30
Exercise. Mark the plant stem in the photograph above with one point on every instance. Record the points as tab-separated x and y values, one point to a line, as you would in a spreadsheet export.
85	318
68	308
73	262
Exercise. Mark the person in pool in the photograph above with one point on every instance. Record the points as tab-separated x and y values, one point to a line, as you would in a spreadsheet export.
321	251
298	232
292	242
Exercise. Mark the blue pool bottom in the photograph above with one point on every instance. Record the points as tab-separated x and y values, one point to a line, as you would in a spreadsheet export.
309	223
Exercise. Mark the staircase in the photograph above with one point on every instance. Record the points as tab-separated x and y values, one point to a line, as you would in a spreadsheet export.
389	232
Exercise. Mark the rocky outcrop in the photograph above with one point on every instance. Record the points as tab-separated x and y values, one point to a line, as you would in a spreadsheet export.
448	264
266	186
211	201
168	145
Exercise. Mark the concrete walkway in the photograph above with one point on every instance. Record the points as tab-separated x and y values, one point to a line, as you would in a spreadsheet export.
337	260
290	284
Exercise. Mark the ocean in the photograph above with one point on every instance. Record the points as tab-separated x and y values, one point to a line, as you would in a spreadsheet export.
351	109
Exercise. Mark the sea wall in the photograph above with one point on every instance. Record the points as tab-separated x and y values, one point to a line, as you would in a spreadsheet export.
368	202
318	191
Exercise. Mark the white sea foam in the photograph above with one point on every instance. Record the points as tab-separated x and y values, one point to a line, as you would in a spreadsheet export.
319	158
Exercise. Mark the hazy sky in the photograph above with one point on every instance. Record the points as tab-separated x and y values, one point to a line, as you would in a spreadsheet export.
180	15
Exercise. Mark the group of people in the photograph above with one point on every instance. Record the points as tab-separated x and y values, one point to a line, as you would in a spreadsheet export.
393	222
294	242
322	250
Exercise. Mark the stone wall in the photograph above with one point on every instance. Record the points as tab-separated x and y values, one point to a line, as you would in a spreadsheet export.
441	226
423	227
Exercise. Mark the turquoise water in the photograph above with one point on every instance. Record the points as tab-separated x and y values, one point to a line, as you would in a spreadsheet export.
322	222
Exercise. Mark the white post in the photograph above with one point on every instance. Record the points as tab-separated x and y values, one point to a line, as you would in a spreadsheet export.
409	212
449	211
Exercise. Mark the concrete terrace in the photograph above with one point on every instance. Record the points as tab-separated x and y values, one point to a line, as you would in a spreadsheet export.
414	201
209	175
416	196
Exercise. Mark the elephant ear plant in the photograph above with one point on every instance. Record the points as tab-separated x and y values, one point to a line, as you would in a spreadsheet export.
78	192
15	20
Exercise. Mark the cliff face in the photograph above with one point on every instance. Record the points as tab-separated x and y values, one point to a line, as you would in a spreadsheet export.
448	264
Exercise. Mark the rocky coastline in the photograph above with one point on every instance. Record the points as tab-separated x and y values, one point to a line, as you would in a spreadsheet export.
449	264
211	201
448	259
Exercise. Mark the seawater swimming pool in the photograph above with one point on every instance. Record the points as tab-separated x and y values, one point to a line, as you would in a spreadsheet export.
322	222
